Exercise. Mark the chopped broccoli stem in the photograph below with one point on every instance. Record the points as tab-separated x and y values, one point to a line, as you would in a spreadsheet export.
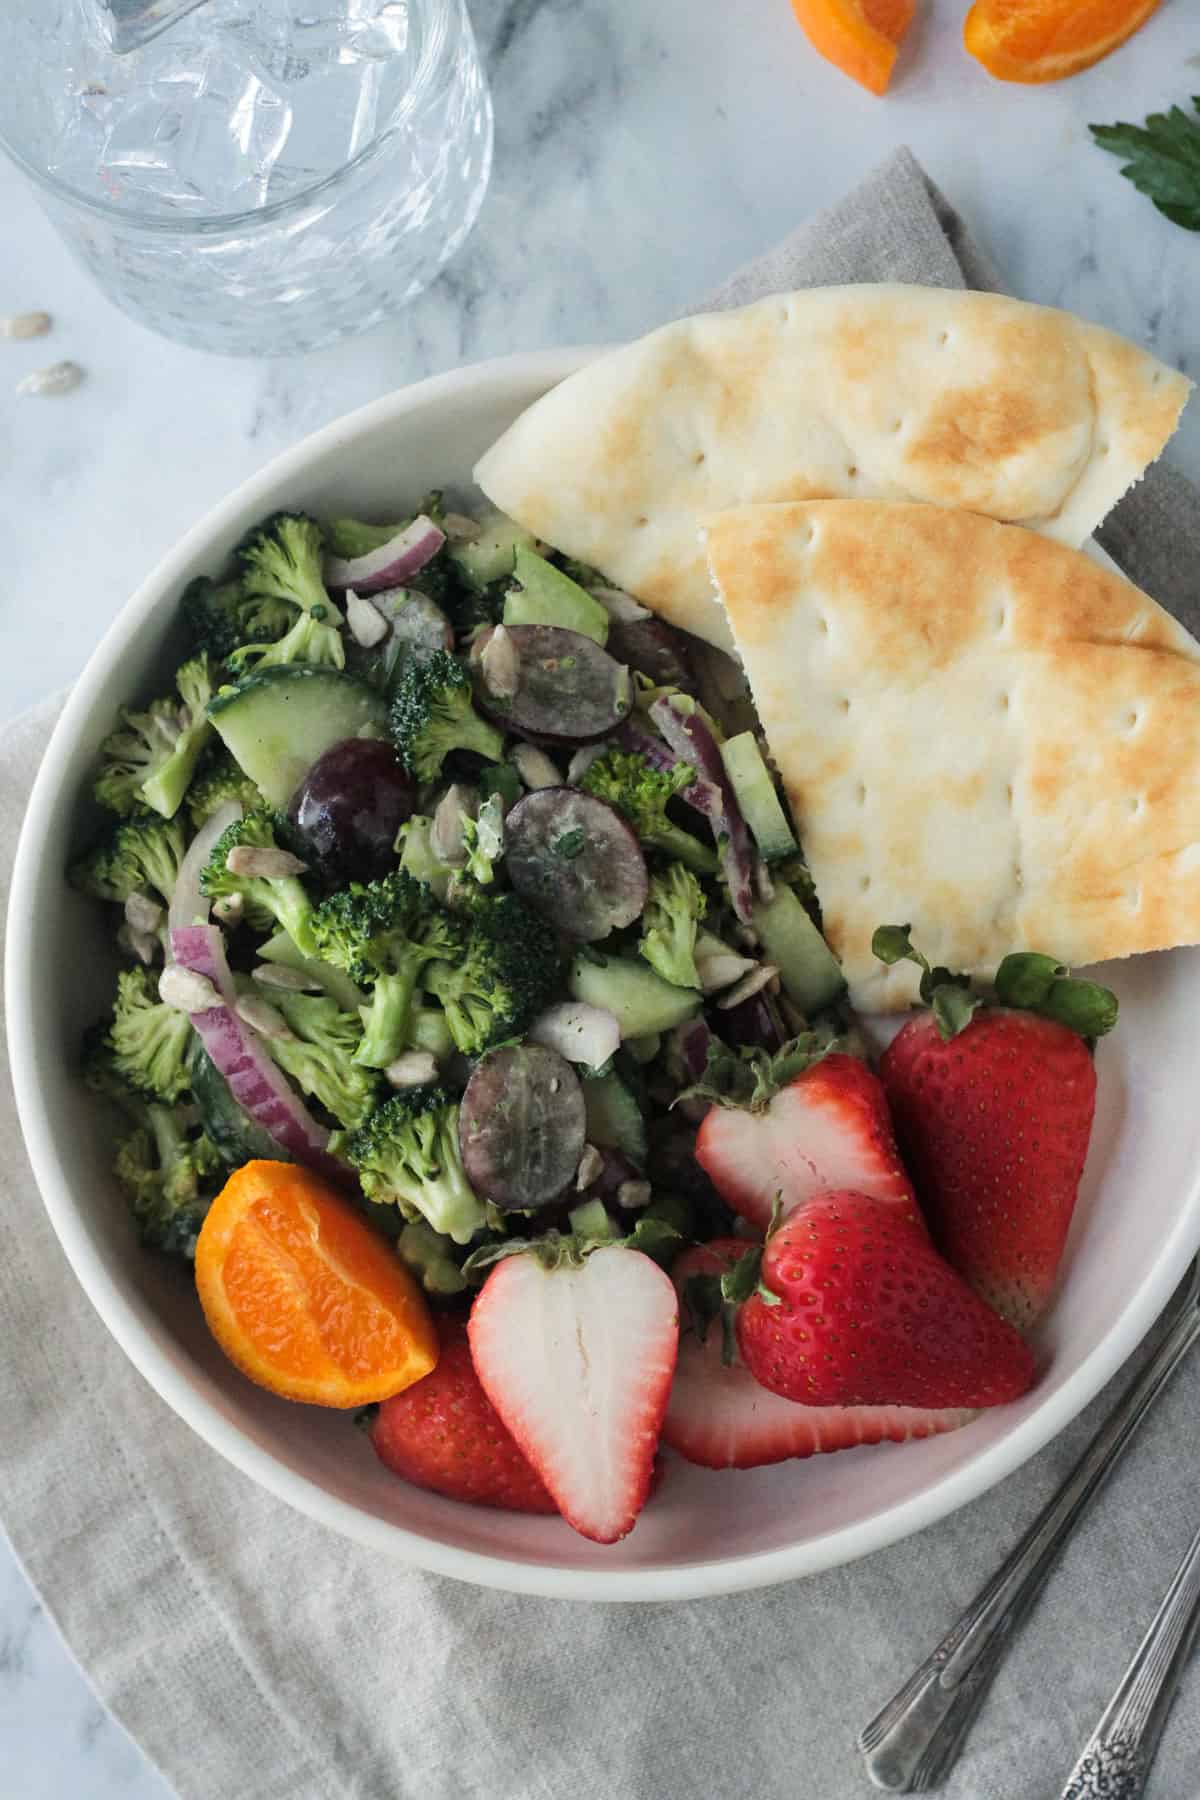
430	1256
165	788
483	837
407	1155
640	793
433	714
320	1054
150	1041
672	915
283	897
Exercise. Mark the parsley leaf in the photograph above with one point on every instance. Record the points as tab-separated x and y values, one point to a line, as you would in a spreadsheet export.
1162	159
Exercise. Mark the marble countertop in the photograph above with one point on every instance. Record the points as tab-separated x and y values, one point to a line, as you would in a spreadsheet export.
642	153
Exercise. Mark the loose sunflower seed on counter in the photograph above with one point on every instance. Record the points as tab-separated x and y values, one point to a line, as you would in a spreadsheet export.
57	378
24	325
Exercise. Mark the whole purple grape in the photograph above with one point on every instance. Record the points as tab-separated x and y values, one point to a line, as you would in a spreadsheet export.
349	808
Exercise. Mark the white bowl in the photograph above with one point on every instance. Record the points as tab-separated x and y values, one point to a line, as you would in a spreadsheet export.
1138	1220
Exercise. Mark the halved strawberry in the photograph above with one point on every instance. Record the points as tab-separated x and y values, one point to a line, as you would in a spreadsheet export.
856	1307
444	1433
719	1415
577	1357
827	1128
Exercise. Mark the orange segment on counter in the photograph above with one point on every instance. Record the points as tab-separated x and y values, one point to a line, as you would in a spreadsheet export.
304	1297
1046	40
859	36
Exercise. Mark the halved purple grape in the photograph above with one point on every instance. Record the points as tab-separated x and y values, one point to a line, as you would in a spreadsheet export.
521	1127
567	689
575	859
655	649
753	1023
350	806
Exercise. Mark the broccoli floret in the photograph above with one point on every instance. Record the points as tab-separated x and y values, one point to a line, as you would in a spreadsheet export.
383	934
509	970
433	714
640	793
150	1040
217	781
320	1054
281	561
407	1155
170	1177
674	908
149	759
222	615
279	897
143	852
430	1256
168	1168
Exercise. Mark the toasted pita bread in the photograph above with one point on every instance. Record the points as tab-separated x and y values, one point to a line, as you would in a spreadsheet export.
888	393
980	731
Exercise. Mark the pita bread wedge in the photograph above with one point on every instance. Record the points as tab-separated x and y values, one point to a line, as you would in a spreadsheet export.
886	392
979	730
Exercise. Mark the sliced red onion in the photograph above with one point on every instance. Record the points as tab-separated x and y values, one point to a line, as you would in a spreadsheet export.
712	794
188	905
258	1086
582	1033
392	564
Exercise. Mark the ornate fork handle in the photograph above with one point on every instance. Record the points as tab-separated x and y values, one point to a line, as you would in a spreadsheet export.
913	1743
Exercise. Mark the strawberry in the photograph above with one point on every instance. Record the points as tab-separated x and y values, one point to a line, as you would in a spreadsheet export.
995	1124
860	1310
576	1353
826	1128
720	1416
444	1433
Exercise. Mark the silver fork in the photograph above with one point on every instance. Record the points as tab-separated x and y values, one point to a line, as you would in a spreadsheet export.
1116	1759
914	1742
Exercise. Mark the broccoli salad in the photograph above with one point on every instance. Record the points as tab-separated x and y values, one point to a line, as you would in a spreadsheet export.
448	872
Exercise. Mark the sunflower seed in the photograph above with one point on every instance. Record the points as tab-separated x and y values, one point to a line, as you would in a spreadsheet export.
368	626
500	665
277	976
262	863
534	767
751	984
591	1163
230	909
416	1068
460	529
262	1016
632	1195
142	913
186	991
25	325
140	944
58	378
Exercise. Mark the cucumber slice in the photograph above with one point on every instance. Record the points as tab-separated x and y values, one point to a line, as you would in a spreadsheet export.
614	1118
641	1000
757	797
548	597
810	972
235	1136
277	722
490	556
590	1220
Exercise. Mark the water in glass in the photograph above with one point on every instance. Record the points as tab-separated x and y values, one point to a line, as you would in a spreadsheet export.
264	175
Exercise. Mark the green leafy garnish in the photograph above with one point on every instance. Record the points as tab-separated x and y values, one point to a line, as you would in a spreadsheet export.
1162	159
947	993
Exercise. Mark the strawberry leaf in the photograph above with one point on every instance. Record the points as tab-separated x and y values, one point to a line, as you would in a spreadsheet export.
945	991
751	1077
953	1008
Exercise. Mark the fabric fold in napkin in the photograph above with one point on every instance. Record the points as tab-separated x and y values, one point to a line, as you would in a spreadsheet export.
257	1657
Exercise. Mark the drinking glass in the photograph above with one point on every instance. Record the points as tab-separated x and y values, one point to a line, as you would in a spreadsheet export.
263	176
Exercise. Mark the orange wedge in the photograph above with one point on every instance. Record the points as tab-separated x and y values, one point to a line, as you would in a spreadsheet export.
859	36
1044	40
304	1297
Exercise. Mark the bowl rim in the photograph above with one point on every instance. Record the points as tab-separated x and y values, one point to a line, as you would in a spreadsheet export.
699	1580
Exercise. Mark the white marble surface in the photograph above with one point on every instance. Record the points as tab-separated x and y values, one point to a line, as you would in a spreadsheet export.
642	152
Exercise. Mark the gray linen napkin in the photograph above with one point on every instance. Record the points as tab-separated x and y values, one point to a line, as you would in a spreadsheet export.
257	1657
